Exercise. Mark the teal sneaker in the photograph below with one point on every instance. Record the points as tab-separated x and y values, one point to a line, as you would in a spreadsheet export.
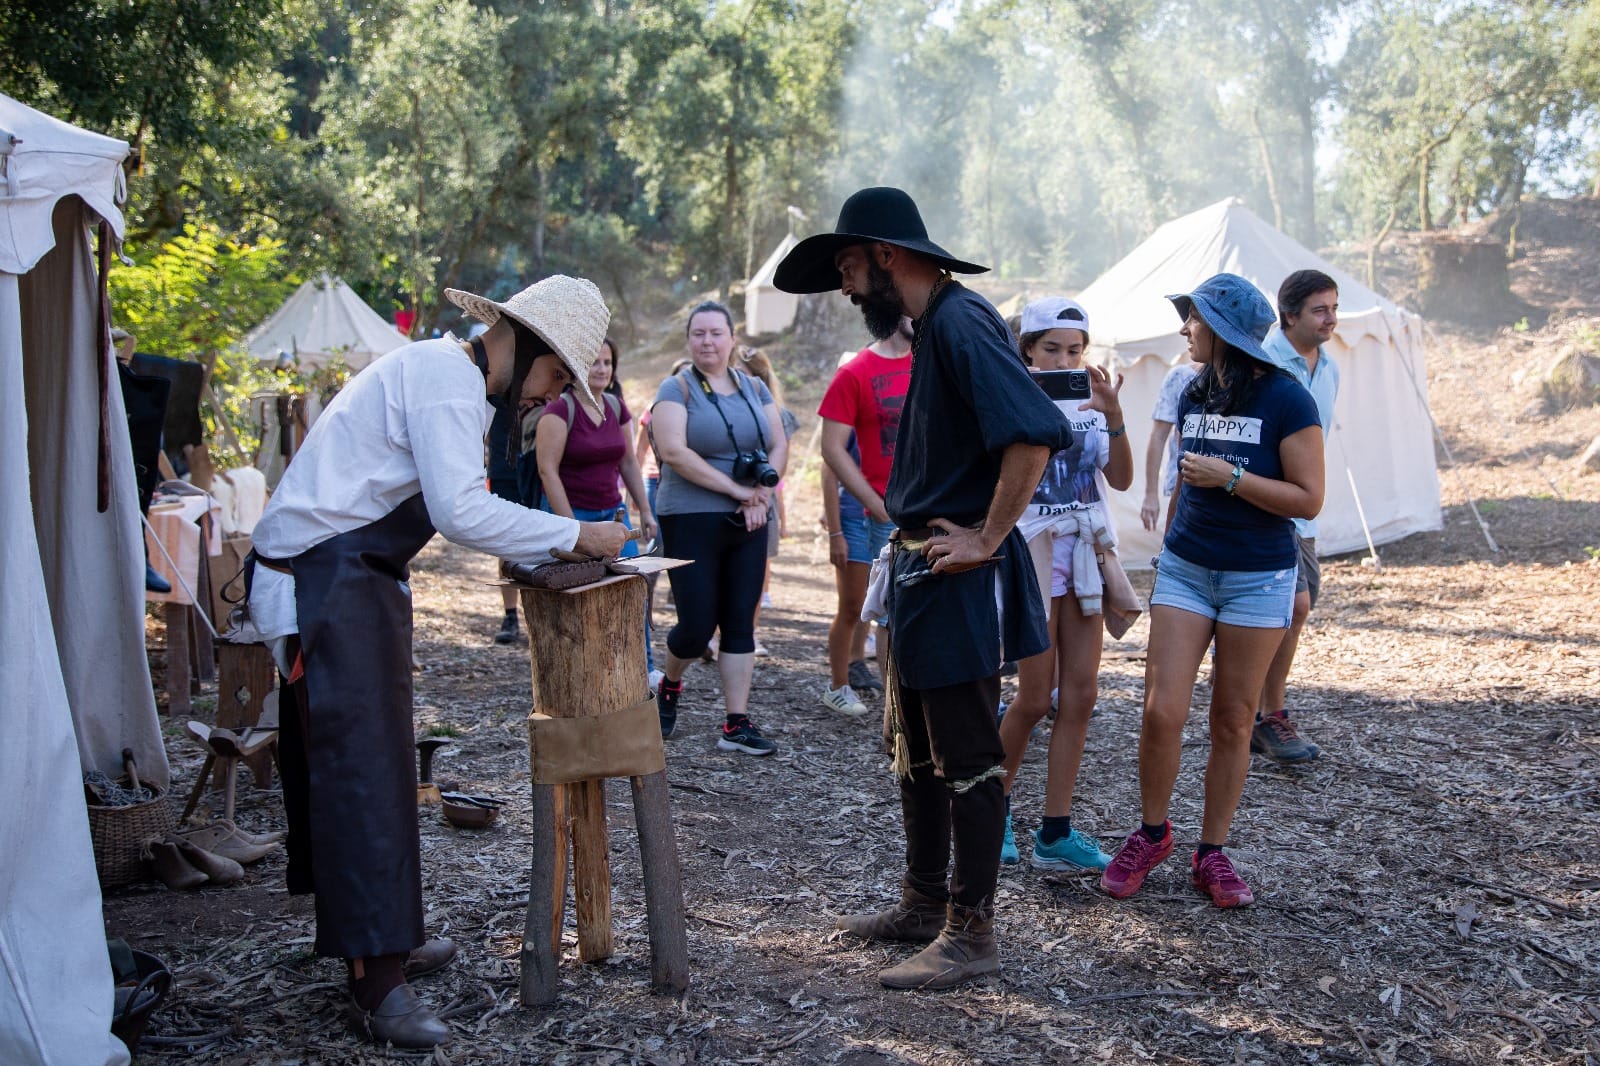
1009	855
1075	851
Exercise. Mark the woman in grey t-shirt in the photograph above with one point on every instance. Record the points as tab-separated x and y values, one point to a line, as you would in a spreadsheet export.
722	448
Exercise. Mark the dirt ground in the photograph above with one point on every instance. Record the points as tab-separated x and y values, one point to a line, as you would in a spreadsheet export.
1427	889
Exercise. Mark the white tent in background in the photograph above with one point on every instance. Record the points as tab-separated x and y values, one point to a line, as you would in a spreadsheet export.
1382	440
767	308
73	672
322	319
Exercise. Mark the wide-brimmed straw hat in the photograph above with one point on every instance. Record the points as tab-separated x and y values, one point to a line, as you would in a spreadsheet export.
877	214
1235	310
568	314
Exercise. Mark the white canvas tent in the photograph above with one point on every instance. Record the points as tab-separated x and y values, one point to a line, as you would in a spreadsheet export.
767	308
73	671
1381	439
324	318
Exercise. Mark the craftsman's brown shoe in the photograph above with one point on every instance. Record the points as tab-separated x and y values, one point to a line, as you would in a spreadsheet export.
402	1019
170	867
434	955
964	950
916	917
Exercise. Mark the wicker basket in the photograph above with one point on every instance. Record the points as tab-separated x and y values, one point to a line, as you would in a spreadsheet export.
119	834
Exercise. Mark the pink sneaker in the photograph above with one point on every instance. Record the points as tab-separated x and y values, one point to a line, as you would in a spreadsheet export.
1215	876
1136	858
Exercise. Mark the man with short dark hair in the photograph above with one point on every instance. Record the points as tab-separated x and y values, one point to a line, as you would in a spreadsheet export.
975	434
1308	313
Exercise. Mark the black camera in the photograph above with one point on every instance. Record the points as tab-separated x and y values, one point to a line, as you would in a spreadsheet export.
753	467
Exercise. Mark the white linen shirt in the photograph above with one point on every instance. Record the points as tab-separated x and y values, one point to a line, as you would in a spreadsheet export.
412	421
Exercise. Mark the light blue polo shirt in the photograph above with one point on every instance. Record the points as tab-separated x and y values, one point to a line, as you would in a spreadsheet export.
1323	386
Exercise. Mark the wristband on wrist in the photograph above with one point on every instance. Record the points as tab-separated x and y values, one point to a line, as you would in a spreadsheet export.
1233	482
1119	431
836	534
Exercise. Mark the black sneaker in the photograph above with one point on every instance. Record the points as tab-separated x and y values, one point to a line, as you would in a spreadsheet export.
862	678
509	630
738	734
667	695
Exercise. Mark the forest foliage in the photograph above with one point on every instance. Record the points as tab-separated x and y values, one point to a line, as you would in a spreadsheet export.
657	145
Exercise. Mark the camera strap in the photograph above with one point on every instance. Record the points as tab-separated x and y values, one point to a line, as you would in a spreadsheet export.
738	385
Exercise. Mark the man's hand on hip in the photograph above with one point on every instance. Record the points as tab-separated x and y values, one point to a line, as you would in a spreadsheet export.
955	548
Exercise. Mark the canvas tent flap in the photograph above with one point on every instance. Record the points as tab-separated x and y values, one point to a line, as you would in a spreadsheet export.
324	318
1382	434
42	160
768	309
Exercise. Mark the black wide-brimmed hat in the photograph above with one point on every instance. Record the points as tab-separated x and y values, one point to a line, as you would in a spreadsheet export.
878	214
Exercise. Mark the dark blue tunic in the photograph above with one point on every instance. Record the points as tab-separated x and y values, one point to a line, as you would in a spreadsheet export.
970	398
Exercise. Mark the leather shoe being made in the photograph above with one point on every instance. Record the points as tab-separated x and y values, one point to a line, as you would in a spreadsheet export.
169	865
224	838
435	955
219	868
402	1019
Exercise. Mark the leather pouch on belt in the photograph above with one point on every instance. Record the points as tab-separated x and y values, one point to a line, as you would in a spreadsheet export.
626	743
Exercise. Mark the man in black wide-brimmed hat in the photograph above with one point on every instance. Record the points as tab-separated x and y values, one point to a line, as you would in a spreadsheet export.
974	438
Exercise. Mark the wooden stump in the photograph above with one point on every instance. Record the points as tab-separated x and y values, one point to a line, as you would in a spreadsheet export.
586	657
180	672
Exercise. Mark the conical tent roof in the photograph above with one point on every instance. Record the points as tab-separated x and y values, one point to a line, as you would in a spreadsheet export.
1380	450
767	308
322	319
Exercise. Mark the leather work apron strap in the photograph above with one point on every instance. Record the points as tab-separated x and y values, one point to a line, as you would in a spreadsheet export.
350	767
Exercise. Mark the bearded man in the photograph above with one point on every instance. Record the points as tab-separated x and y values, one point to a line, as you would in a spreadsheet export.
974	437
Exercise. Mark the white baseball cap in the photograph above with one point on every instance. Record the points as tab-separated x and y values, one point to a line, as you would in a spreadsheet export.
1054	312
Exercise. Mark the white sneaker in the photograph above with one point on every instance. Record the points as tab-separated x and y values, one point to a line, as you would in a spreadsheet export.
844	700
655	679
872	642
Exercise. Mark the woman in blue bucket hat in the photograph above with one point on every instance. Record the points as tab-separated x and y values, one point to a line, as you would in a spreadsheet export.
1251	462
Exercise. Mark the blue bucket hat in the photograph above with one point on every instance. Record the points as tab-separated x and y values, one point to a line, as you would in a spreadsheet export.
1234	309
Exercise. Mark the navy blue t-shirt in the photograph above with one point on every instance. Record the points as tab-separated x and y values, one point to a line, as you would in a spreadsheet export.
1221	532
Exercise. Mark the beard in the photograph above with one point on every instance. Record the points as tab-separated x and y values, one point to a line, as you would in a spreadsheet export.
880	304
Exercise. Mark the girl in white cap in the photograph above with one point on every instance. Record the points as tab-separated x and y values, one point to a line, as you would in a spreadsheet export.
1063	523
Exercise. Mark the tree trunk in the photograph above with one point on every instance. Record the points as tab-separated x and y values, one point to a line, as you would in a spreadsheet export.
540	209
1267	168
1424	177
1306	201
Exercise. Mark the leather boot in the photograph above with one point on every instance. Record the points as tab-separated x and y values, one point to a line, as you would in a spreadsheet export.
227	840
916	917
963	950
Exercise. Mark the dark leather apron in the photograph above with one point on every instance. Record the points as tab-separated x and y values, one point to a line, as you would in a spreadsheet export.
348	752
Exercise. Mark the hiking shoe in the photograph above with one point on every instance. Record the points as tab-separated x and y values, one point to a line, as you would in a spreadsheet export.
509	630
740	734
1136	858
1009	855
862	679
1275	737
1215	876
1076	851
667	695
844	700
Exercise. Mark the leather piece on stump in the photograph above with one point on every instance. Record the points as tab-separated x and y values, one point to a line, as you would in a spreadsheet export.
626	743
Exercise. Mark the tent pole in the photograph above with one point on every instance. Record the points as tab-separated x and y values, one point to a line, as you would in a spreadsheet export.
1361	513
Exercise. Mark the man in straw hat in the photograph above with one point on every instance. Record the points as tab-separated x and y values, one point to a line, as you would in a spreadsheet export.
396	457
974	437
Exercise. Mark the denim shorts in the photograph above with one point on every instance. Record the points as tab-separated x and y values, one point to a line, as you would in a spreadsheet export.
1254	599
864	535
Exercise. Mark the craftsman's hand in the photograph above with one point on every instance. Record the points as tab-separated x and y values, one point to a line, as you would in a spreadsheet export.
1103	396
955	548
1204	471
600	540
1150	512
838	551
